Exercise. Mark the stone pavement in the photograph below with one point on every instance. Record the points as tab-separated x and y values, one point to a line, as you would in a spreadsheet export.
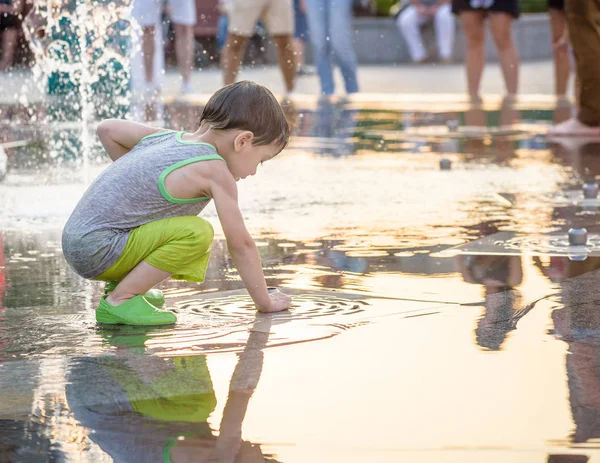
536	79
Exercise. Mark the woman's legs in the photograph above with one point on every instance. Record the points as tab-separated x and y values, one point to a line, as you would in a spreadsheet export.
318	24
562	62
501	27
340	32
473	27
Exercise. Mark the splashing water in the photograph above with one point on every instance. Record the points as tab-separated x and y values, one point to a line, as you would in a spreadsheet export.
81	50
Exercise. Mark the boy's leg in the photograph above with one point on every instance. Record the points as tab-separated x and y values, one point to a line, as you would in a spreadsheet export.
178	247
141	279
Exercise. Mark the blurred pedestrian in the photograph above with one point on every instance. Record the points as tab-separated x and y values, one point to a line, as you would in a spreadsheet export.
301	36
183	16
330	25
278	18
224	6
584	33
420	12
500	13
9	22
560	48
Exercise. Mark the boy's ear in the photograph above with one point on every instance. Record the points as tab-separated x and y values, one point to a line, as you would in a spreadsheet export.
243	140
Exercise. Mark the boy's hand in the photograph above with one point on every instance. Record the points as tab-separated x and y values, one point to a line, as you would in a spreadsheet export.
279	302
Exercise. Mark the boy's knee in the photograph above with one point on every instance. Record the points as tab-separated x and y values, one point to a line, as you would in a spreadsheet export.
201	234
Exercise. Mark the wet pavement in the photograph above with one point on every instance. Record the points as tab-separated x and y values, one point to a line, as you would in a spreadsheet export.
440	315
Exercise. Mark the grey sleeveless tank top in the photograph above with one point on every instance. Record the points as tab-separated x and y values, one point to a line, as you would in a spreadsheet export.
127	194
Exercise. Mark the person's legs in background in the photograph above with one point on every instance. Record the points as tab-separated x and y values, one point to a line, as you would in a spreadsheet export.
318	23
584	33
148	50
445	29
183	15
222	27
409	24
278	18
231	57
9	42
300	35
473	26
501	27
9	22
184	49
560	49
148	13
287	60
243	16
340	33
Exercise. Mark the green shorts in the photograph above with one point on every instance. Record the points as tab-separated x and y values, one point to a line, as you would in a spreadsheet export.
178	245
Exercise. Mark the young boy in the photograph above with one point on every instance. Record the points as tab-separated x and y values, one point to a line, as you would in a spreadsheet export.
137	223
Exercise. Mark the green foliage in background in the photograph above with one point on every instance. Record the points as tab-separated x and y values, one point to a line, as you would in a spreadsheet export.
533	6
382	7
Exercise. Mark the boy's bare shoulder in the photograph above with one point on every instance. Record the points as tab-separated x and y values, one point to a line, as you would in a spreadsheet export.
213	174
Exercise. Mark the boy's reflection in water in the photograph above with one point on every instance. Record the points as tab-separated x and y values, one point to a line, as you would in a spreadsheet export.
499	275
144	408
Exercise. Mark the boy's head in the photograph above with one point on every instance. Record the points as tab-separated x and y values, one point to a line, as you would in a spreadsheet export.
258	124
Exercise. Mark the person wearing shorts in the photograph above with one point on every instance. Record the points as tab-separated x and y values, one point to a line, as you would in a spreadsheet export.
9	22
278	18
501	13
183	14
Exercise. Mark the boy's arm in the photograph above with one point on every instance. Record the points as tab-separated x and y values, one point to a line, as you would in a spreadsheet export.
239	242
119	136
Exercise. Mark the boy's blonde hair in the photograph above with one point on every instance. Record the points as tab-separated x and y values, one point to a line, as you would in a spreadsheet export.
249	106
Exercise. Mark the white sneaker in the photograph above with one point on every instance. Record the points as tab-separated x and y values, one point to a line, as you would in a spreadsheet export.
187	89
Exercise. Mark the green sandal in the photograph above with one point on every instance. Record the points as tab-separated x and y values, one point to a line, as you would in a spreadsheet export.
154	296
135	311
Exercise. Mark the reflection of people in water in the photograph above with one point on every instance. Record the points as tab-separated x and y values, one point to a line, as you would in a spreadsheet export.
499	275
579	326
335	124
26	441
2	288
560	268
501	146
2	275
567	458
145	408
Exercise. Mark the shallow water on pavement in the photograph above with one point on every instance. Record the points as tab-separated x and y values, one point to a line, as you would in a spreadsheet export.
400	345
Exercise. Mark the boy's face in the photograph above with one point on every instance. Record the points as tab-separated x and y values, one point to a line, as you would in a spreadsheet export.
250	157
